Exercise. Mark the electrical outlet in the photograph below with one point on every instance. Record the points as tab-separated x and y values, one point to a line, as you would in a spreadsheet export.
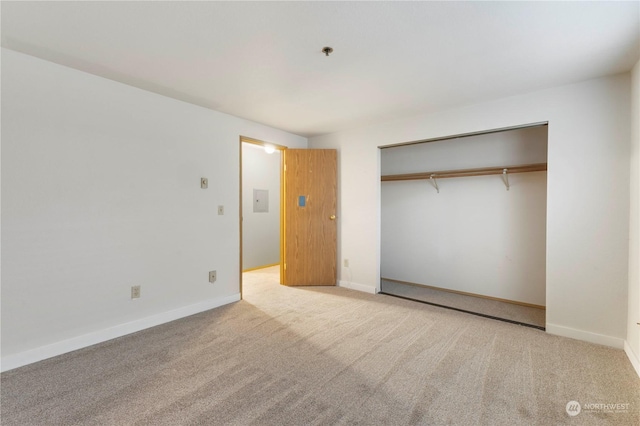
204	183
212	276
220	210
346	263
135	291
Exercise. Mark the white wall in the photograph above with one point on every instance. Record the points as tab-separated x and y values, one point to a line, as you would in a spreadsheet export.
101	191
474	235
587	195
260	230
632	346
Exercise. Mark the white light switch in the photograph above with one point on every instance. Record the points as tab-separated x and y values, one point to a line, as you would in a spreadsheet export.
204	183
220	210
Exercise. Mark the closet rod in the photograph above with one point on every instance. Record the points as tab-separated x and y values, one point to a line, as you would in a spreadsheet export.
539	167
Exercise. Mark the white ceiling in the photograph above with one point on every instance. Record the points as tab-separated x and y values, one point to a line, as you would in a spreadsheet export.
262	60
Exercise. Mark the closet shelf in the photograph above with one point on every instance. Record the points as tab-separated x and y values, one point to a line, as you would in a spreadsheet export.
442	174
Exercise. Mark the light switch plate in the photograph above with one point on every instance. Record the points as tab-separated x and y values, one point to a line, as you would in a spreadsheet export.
213	275
204	183
220	210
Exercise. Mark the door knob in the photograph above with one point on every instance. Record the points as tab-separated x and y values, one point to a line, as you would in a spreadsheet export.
332	217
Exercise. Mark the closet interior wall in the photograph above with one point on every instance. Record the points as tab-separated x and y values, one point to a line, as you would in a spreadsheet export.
472	234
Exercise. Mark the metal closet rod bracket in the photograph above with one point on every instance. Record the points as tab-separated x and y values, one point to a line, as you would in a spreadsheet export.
505	178
434	182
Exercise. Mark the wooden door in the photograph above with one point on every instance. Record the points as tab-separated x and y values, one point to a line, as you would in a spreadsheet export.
309	231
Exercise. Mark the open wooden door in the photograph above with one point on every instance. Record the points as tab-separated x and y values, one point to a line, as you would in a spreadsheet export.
309	208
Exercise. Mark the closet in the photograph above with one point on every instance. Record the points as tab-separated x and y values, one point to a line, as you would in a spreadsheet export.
467	216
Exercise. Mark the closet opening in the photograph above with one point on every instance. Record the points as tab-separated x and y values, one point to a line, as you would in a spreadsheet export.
463	222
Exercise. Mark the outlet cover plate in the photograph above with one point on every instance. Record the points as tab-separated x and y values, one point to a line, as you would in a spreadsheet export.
135	291
213	275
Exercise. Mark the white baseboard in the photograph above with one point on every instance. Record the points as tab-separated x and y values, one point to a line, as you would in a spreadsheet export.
633	357
359	287
601	339
48	351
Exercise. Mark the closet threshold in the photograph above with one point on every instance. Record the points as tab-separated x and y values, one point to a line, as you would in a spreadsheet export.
524	324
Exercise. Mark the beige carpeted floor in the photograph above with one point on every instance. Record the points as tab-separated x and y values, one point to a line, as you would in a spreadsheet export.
324	356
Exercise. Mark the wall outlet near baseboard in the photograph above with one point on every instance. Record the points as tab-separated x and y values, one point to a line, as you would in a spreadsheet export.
213	275
135	291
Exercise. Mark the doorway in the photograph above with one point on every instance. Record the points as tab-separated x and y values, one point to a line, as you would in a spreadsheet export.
260	206
303	206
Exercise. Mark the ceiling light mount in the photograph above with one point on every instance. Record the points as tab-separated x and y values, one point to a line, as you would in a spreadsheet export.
327	50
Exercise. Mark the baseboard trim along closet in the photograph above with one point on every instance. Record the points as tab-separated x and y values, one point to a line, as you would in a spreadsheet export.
635	361
48	351
601	339
359	287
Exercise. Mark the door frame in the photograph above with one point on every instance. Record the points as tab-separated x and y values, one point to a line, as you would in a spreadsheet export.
280	149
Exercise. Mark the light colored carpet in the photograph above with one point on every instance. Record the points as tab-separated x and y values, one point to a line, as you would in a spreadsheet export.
324	356
508	311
